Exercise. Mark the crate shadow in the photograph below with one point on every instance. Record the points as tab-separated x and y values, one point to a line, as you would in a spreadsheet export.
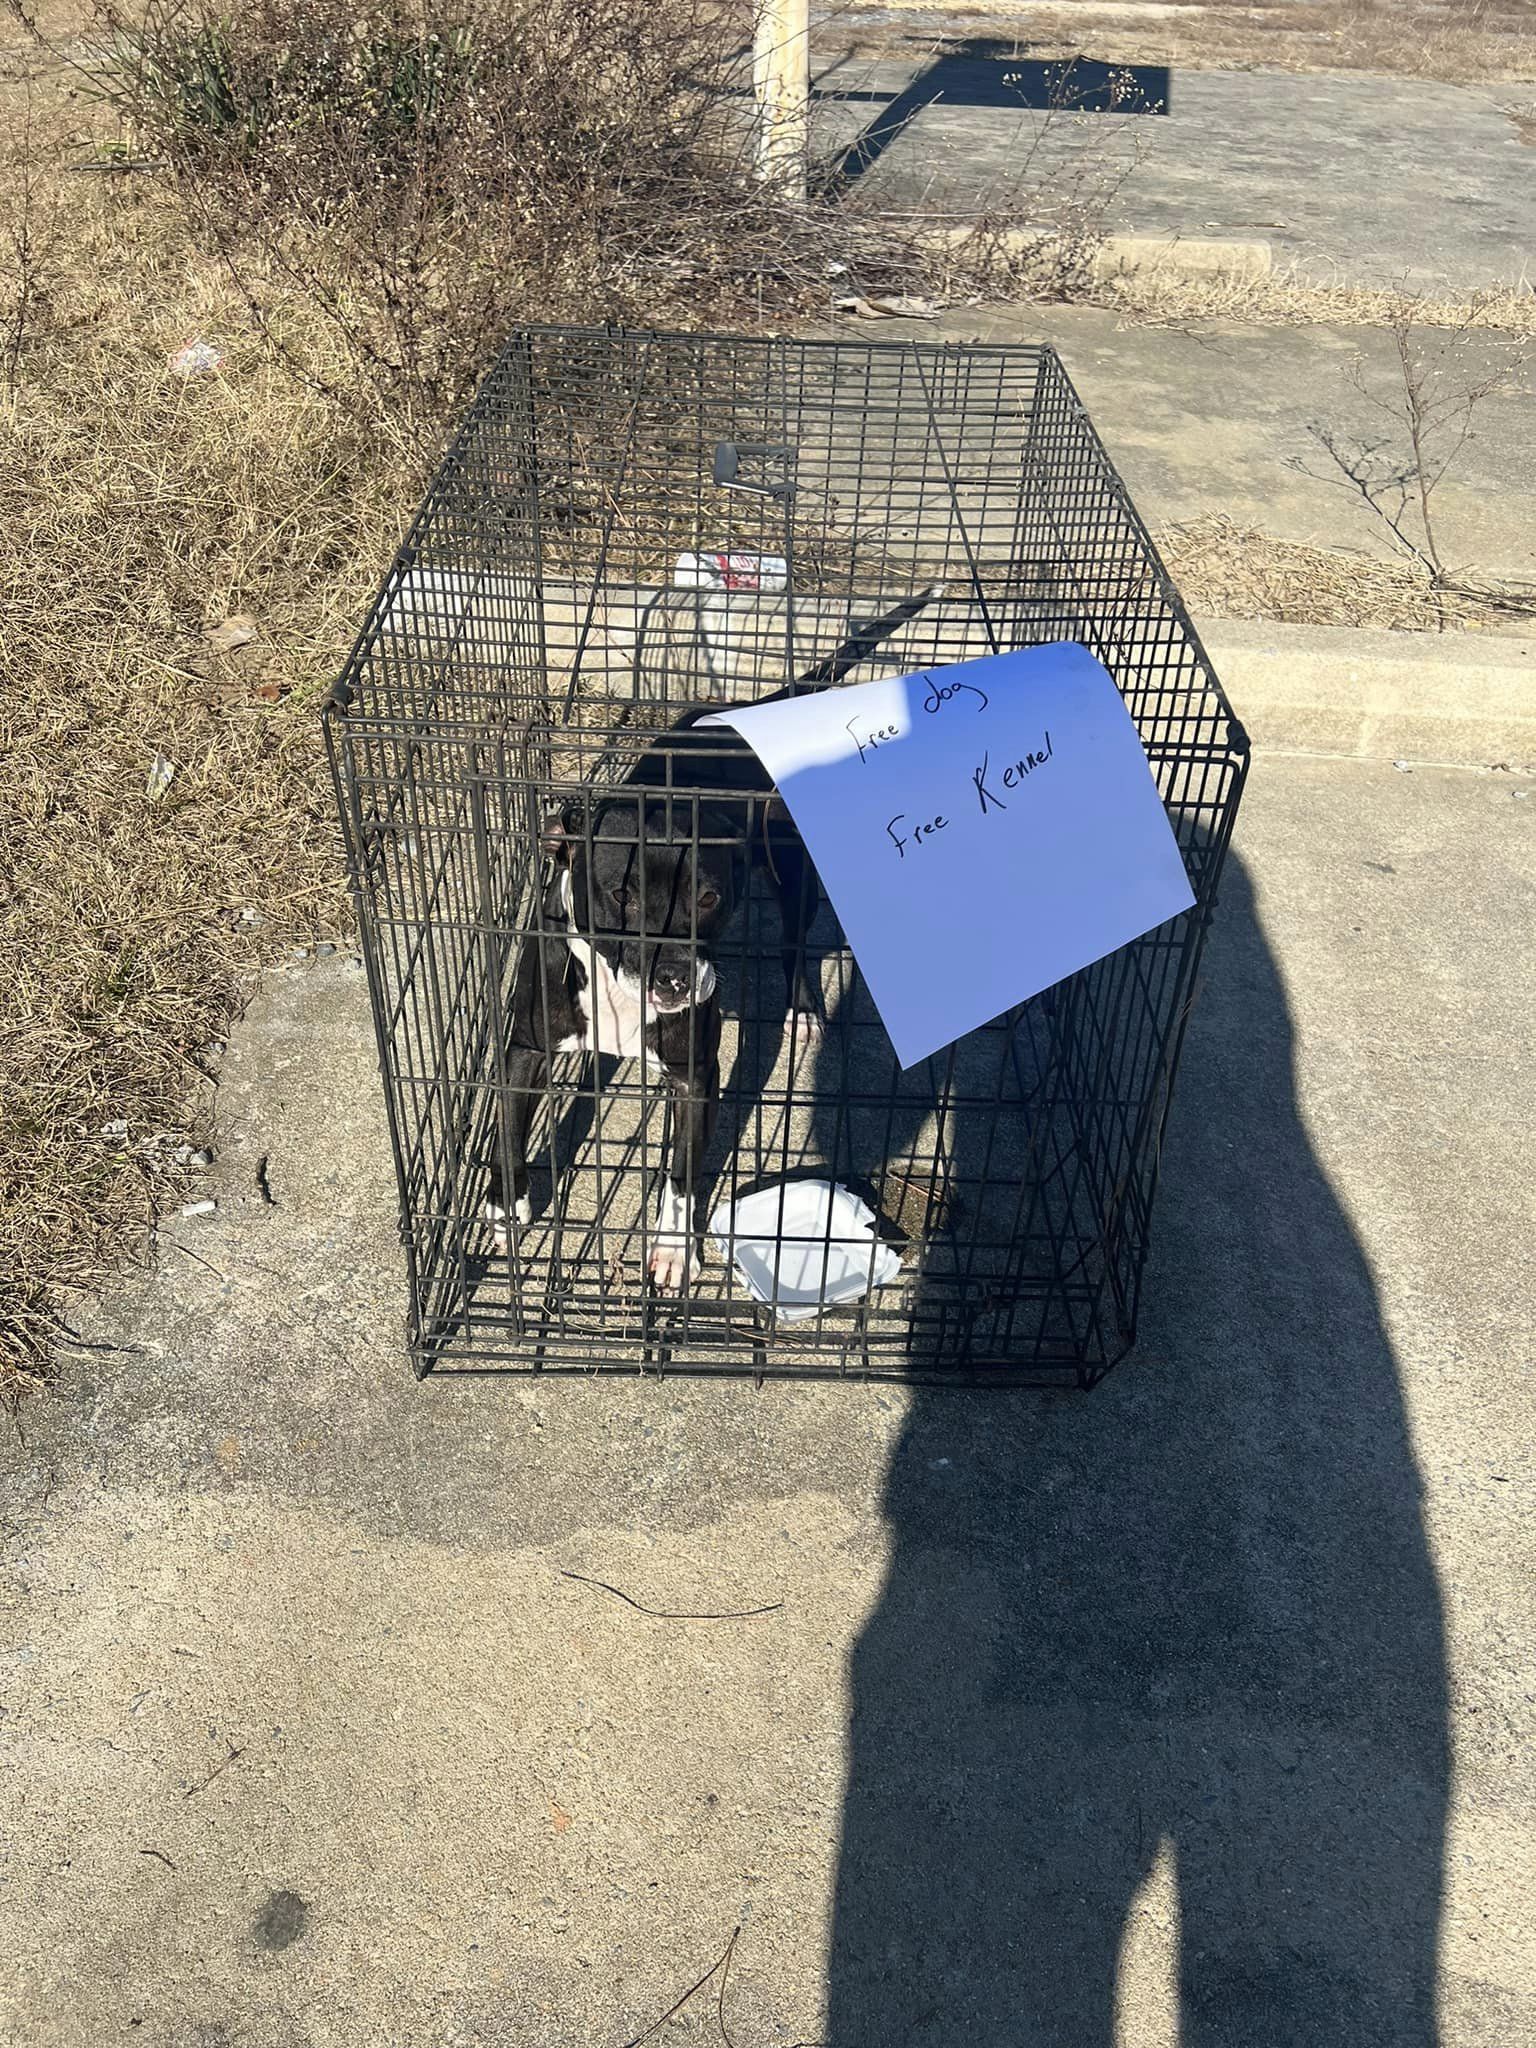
1184	1634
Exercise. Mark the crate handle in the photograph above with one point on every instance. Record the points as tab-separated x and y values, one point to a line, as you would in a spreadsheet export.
728	475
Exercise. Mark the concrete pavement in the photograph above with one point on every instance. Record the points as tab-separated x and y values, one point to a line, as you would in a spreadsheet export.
1223	416
1211	1689
1353	178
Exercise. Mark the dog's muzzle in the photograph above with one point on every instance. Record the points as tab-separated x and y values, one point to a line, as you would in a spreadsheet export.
672	990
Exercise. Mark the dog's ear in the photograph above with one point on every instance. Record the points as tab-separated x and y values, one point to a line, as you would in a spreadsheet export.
561	828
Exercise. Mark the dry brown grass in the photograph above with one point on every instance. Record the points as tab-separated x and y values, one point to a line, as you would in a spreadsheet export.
1162	294
1237	572
136	509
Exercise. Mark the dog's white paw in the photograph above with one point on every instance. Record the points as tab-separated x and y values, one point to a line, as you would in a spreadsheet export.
496	1216
674	1263
673	1266
805	1030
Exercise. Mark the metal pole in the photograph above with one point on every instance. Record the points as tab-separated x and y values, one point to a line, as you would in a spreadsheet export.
781	76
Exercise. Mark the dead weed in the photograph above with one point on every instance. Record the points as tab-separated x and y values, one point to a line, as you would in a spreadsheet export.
1238	572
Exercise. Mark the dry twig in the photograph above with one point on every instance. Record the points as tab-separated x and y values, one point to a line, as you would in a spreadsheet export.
665	1614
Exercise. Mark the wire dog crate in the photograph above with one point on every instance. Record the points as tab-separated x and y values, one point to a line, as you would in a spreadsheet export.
629	525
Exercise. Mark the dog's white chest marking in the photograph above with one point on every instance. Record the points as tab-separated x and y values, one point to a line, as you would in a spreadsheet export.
614	1009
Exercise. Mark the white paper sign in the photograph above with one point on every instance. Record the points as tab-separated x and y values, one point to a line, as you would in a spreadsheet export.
982	829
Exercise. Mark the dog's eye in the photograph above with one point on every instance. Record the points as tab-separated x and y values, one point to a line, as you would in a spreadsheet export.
621	896
708	898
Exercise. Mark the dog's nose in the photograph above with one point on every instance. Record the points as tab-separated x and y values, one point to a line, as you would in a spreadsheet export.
673	981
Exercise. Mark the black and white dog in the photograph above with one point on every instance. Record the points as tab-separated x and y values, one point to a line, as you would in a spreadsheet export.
642	884
642	880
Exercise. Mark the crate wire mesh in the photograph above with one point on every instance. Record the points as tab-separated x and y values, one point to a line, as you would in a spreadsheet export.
528	647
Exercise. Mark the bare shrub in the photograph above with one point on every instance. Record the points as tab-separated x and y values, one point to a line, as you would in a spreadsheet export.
1035	231
1428	411
425	175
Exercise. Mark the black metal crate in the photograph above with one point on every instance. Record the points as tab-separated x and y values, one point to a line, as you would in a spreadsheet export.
531	641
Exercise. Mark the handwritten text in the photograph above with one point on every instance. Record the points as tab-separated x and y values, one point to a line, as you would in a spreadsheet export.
918	834
1010	777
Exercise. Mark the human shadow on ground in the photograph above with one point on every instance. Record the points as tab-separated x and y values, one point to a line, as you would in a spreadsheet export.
1194	1610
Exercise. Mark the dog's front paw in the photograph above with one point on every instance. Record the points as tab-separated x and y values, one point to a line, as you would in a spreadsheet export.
496	1216
674	1263
804	1030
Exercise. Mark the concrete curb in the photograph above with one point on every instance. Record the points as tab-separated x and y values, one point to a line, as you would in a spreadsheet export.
1455	697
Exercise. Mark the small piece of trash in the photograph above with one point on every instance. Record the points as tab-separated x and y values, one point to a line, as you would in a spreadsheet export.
722	570
117	1128
1403	767
238	630
1519	795
206	1207
196	359
250	914
270	693
158	781
804	1246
